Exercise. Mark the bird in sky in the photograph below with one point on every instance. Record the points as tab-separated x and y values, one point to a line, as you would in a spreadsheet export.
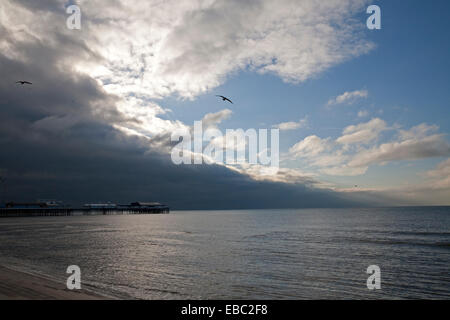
225	99
23	82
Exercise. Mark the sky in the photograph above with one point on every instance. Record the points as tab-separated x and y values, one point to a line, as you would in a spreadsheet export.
362	113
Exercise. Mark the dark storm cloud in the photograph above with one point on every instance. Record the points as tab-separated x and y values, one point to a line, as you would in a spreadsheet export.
122	175
58	140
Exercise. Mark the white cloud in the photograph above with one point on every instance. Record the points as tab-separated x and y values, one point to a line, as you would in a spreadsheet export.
309	147
363	133
419	131
285	126
212	119
348	97
144	116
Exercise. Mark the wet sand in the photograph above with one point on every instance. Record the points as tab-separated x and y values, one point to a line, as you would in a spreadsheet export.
15	285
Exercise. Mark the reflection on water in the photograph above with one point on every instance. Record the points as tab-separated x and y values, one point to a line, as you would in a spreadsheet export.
251	254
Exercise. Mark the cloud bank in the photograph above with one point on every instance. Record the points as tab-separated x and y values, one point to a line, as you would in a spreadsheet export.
359	147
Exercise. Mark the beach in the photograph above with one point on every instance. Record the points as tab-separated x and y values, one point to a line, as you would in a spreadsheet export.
15	285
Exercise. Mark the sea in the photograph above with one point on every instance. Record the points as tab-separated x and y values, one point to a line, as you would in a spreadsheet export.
241	254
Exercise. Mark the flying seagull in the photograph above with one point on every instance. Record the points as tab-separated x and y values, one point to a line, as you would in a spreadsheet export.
23	82
225	99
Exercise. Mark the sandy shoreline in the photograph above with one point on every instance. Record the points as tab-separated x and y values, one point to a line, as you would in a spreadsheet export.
15	285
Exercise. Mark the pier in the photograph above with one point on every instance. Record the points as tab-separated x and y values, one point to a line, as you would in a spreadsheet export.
45	210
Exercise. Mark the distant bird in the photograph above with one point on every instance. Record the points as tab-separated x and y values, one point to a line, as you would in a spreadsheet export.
23	82
225	99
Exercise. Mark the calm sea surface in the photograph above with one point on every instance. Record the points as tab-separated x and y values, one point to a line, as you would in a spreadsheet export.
248	254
